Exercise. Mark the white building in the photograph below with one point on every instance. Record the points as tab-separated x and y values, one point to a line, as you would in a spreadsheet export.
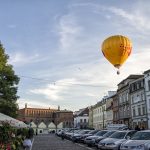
147	94
138	103
91	117
109	110
81	118
99	115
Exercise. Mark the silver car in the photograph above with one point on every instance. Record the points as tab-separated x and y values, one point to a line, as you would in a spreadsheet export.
139	141
115	140
109	133
90	140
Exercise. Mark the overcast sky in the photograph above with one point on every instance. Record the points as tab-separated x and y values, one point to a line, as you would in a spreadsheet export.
55	47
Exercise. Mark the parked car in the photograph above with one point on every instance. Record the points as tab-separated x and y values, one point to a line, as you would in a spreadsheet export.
139	141
70	133
90	140
77	136
115	140
109	133
88	134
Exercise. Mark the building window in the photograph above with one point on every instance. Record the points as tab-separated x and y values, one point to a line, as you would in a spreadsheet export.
149	85
84	120
124	108
134	114
139	110
144	110
128	110
138	85
27	112
134	86
127	96
142	96
120	99
142	83
132	98
81	120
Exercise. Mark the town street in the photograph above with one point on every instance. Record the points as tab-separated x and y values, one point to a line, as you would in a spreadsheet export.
52	142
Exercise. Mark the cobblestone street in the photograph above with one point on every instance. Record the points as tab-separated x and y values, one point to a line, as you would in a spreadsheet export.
52	142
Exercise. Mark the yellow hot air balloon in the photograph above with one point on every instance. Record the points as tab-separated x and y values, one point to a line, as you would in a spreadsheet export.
117	49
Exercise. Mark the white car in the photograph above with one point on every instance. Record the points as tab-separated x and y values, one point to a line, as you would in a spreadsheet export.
115	140
139	141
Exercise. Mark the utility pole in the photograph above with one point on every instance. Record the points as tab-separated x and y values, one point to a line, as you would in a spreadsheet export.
103	115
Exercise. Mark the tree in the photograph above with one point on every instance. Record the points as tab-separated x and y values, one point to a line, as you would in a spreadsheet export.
8	86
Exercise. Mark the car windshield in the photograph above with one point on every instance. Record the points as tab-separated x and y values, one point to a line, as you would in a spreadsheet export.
101	133
84	132
93	132
141	136
118	135
108	134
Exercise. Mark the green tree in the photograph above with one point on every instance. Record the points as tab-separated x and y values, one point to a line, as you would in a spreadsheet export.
8	86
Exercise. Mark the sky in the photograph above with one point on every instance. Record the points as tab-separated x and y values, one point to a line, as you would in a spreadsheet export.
55	48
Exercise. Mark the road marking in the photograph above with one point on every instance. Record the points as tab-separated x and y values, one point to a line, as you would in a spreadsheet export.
84	146
32	144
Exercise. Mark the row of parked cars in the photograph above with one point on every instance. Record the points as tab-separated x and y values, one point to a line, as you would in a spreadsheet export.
110	139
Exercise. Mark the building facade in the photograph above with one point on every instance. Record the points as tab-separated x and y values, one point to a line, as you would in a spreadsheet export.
65	117
81	118
36	115
138	103
147	94
109	110
124	101
91	117
99	115
46	116
115	109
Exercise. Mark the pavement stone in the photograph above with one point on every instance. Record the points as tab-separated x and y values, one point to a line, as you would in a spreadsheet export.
52	142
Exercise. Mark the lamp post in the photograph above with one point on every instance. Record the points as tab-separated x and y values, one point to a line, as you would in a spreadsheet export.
103	109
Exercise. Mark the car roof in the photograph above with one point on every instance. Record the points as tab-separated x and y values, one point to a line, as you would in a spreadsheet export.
144	131
125	130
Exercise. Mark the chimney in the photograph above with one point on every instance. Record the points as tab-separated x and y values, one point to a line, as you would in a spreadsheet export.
25	105
58	107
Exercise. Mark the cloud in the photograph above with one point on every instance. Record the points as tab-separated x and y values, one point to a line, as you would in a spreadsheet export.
12	26
139	62
68	30
81	75
53	91
20	59
135	18
32	103
89	84
138	18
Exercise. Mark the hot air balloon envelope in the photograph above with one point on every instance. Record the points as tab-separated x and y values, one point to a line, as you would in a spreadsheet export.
117	49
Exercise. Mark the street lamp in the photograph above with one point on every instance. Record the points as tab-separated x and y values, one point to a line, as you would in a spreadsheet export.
103	109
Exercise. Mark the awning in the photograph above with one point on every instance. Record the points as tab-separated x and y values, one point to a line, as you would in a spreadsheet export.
13	122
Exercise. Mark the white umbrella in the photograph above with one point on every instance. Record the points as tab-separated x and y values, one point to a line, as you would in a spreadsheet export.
13	122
